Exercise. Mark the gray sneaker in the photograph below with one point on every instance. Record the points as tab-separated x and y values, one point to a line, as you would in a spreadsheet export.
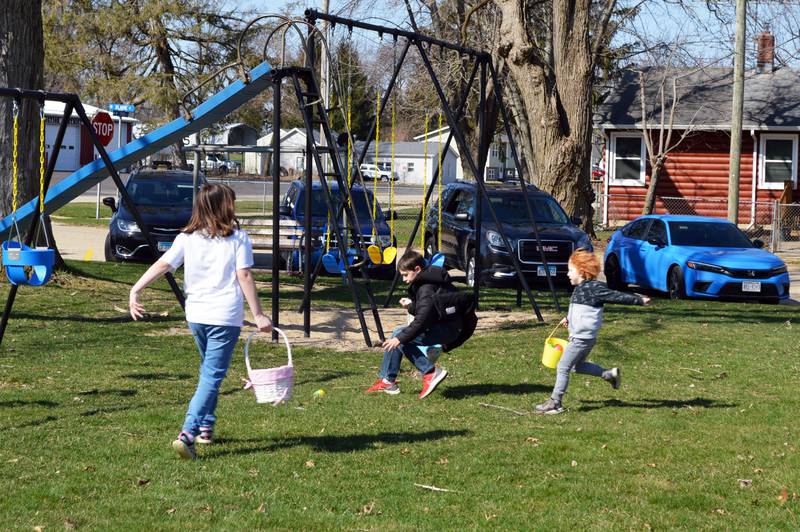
549	407
184	446
614	377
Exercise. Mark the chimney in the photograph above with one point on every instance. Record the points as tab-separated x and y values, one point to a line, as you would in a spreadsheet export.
765	57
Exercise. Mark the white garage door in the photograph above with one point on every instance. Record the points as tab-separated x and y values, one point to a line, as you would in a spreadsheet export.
69	156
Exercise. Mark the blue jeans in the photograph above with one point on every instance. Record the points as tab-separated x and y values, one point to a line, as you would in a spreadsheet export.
439	333
574	359
216	344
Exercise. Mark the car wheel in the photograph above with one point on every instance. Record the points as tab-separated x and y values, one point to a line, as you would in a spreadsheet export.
675	284
470	270
430	247
614	274
109	255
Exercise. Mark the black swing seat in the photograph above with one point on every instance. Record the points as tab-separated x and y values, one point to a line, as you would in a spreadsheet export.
25	265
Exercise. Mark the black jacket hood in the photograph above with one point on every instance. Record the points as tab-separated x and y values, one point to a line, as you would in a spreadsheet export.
431	275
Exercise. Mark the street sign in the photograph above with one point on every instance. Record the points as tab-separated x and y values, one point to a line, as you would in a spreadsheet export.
121	107
104	127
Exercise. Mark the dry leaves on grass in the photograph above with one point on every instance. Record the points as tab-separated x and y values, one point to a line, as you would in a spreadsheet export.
745	482
367	508
784	497
310	463
533	441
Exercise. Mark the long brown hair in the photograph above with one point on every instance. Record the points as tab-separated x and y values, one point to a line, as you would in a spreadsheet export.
213	211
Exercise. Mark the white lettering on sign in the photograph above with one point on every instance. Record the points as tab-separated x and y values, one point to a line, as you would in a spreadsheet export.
549	249
103	129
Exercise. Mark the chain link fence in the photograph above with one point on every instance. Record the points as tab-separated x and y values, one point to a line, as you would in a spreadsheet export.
777	225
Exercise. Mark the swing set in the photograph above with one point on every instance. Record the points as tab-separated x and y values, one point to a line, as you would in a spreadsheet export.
25	262
25	265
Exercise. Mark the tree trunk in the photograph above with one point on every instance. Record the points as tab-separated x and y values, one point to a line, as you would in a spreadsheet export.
21	65
650	198
557	90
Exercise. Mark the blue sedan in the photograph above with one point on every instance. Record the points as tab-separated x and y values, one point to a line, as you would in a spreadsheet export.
694	256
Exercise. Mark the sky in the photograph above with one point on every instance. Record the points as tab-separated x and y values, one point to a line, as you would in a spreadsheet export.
703	37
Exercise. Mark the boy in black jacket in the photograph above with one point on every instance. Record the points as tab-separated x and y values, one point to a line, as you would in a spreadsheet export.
428	328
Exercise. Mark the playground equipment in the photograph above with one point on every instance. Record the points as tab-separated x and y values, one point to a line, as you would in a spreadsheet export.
433	256
315	114
23	264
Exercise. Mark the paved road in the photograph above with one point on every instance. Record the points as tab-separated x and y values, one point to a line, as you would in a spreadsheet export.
248	189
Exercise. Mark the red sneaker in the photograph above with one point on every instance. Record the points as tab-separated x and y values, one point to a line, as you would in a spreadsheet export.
431	380
386	387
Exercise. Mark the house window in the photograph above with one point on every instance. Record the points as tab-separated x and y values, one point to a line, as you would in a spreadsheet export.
511	173
410	167
627	153
496	150
491	173
778	161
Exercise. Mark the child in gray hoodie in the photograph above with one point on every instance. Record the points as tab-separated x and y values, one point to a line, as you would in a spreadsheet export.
584	319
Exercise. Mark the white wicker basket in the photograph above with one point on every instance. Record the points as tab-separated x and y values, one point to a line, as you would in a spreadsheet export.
273	385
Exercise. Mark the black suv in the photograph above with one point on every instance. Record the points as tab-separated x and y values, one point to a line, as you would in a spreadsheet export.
558	232
163	197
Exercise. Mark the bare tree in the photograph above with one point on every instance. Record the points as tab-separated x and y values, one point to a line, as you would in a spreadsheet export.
658	153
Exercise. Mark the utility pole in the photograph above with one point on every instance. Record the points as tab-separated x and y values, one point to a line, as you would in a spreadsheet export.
736	113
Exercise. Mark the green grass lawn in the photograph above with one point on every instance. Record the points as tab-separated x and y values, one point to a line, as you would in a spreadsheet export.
702	434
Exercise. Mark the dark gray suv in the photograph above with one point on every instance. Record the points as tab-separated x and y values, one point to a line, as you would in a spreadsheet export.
559	233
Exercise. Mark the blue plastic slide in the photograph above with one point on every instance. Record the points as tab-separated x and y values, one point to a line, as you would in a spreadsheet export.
212	110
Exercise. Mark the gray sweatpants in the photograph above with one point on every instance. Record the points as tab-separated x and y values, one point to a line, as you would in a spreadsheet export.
574	359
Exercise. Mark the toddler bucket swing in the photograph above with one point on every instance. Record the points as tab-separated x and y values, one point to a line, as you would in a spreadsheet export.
553	349
332	260
23	264
272	385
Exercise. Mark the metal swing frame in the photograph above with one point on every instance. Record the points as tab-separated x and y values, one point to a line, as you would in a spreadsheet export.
481	62
72	103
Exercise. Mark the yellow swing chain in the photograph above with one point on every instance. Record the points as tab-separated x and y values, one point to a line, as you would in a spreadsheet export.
41	159
439	191
375	172
391	175
424	183
349	147
14	184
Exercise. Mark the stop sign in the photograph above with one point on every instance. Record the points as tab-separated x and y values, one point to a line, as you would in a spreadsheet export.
103	127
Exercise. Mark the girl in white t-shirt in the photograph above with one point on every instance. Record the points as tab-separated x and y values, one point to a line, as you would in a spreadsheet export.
216	258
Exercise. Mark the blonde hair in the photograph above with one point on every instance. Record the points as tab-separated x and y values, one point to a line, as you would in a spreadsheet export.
214	211
586	262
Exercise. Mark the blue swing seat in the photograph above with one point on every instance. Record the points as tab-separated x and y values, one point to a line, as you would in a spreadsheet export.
431	352
25	265
437	260
333	264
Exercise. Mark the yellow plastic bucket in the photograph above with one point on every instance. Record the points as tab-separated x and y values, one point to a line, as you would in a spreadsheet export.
553	349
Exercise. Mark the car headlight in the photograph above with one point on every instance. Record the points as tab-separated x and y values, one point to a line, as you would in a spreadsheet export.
494	239
385	240
706	267
778	270
584	242
127	226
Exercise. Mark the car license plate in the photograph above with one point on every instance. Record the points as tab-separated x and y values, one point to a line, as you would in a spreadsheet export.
540	271
163	246
750	286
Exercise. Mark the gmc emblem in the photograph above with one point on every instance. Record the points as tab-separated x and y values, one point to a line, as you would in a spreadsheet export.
549	249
